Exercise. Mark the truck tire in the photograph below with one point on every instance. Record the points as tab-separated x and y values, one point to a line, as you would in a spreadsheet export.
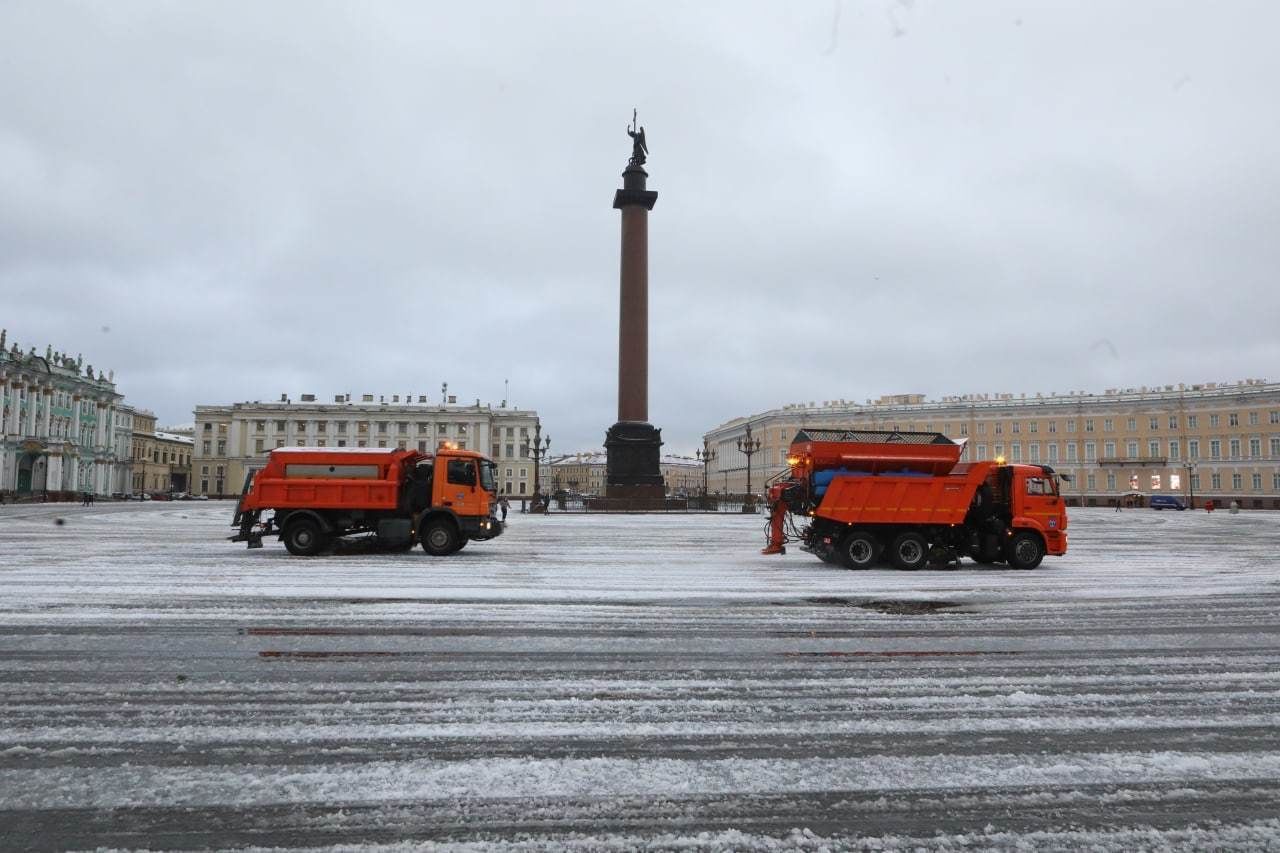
908	551
440	538
859	550
304	538
1025	550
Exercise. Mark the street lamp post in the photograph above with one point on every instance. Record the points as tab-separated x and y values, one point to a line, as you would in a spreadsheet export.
705	455
1191	489
749	446
538	450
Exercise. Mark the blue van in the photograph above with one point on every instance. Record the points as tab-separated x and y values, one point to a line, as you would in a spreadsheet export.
1166	502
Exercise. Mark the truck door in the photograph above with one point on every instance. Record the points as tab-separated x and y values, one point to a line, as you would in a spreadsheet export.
460	490
1041	501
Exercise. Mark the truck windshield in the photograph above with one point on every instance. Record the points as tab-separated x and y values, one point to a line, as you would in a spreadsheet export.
488	481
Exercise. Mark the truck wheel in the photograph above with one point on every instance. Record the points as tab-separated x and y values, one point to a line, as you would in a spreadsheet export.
908	551
1024	550
859	550
304	538
440	538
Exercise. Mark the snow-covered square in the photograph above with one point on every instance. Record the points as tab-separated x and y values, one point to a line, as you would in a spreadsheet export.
634	682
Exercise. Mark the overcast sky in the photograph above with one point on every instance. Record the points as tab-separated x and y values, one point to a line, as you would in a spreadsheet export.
229	201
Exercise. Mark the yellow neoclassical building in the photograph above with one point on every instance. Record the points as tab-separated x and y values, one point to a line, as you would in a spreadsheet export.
231	440
1216	440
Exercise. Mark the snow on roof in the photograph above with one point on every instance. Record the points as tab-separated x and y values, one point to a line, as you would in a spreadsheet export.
169	436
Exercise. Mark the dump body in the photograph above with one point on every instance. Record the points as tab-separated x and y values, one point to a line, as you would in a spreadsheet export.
330	478
400	497
875	490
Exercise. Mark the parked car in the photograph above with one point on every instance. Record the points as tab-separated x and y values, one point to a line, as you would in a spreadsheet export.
1167	502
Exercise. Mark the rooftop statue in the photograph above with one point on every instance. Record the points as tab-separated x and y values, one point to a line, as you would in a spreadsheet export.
639	150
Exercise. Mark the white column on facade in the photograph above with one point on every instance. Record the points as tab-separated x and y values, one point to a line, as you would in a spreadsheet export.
33	391
47	420
74	432
11	422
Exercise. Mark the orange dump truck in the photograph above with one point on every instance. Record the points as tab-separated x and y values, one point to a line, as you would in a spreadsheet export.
906	496
399	497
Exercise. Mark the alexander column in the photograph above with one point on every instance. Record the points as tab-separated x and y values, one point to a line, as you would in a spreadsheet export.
633	444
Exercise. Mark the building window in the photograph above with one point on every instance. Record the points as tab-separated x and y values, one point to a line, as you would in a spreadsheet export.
1155	482
1215	481
1071	451
204	447
208	427
1174	449
1090	451
1154	423
1253	419
300	426
1034	426
522	487
1173	421
257	445
982	451
1108	425
1194	480
1053	426
322	426
1215	449
1015	451
1255	448
1234	444
222	447
402	428
1233	419
1131	449
1257	482
342	427
1193	421
1111	481
1131	424
382	429
342	442
1017	427
442	429
1153	449
1213	420
1033	451
204	487
982	428
279	442
1088	425
320	442
1193	448
1275	447
260	426
1275	416
1053	453
382	442
1237	482
1275	482
1092	482
362	428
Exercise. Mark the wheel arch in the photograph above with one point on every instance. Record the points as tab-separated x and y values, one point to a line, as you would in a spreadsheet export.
293	514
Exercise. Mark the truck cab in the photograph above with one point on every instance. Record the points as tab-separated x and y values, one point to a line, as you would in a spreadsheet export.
1035	503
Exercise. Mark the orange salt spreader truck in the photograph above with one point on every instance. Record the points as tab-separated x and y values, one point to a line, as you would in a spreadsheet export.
399	497
906	496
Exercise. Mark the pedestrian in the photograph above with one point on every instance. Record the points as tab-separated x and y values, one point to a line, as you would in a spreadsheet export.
504	505
1117	504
